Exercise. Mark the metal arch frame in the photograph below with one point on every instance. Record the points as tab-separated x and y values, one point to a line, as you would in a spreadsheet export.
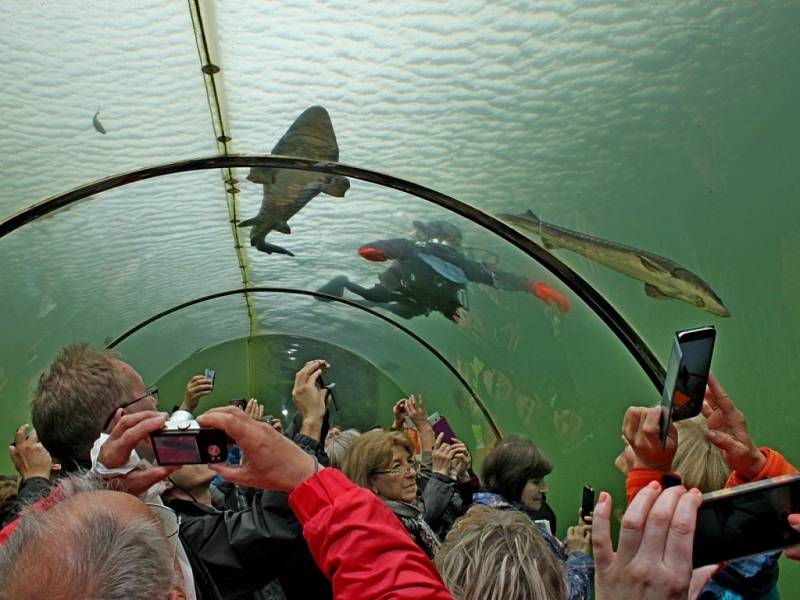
607	313
320	296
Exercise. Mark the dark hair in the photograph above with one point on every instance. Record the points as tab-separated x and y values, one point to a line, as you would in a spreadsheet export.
511	464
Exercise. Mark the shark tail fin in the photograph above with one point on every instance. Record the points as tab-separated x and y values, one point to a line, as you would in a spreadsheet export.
247	222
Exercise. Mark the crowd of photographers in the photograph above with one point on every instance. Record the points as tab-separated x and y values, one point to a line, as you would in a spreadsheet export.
307	509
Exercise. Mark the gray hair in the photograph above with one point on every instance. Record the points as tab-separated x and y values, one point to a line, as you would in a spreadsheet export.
491	554
93	554
73	398
336	447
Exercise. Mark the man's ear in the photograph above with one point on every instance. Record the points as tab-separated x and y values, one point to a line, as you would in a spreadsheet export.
178	594
118	414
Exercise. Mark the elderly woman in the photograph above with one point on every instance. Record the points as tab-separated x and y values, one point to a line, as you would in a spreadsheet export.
382	461
514	479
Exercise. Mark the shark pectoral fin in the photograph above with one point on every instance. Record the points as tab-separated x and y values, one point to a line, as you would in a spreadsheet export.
271	248
283	227
337	186
247	222
261	175
655	293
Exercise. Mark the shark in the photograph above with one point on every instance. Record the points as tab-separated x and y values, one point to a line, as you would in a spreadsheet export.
287	191
663	278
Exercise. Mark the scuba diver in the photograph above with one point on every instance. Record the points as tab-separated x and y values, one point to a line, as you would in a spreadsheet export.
430	273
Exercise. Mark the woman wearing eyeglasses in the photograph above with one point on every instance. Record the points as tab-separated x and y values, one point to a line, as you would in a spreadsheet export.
383	461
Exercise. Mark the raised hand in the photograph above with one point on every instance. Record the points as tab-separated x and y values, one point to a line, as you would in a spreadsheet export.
271	461
727	430
30	458
653	560
254	409
442	456
640	429
129	431
198	386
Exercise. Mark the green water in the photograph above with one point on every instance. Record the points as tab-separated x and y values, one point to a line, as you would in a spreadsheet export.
668	126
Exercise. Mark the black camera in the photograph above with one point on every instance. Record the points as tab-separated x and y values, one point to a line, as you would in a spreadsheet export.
184	442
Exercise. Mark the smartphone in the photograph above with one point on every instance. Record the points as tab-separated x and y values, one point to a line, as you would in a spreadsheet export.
211	374
321	384
687	375
189	446
440	425
240	403
587	503
746	520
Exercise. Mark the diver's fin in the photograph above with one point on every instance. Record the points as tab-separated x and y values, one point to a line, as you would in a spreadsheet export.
655	293
283	227
272	248
650	265
335	287
336	186
247	222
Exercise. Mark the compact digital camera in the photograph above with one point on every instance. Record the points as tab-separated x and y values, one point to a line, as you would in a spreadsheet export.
184	442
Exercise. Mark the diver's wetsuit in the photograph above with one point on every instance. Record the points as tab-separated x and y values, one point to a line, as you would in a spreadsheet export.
428	277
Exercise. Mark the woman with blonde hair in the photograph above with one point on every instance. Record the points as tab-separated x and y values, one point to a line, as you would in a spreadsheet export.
493	554
382	461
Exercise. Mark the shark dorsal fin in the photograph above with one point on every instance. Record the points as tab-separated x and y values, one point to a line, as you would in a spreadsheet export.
655	293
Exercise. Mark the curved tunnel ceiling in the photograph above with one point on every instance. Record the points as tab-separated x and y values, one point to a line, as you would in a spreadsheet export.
667	127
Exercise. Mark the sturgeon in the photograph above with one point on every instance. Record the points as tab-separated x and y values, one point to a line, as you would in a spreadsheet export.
663	279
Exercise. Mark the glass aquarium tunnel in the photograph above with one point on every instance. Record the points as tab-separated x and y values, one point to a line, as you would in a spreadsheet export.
142	142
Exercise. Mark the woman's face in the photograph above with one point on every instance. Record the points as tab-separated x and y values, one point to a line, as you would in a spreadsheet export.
397	479
533	493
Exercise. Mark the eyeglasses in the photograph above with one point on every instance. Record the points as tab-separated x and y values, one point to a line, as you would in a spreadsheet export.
401	470
151	391
170	523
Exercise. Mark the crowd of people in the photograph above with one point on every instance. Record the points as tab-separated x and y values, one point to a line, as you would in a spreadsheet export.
311	509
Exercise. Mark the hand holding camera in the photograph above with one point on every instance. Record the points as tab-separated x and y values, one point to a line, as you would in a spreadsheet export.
129	431
640	428
198	386
271	461
308	396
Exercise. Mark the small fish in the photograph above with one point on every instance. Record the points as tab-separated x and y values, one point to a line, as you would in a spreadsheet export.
98	126
287	191
663	279
548	295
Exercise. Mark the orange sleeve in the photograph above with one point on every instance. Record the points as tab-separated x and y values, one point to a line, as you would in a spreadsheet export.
638	477
776	465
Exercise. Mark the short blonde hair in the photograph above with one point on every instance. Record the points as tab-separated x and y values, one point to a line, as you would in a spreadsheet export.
493	554
370	452
699	462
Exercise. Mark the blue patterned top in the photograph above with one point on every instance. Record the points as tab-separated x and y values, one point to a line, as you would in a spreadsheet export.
579	571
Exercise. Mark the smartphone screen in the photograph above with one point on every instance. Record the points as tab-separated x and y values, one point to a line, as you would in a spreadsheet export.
587	502
746	520
687	375
440	425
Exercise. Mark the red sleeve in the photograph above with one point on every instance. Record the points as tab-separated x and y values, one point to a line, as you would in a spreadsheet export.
360	546
639	477
776	465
